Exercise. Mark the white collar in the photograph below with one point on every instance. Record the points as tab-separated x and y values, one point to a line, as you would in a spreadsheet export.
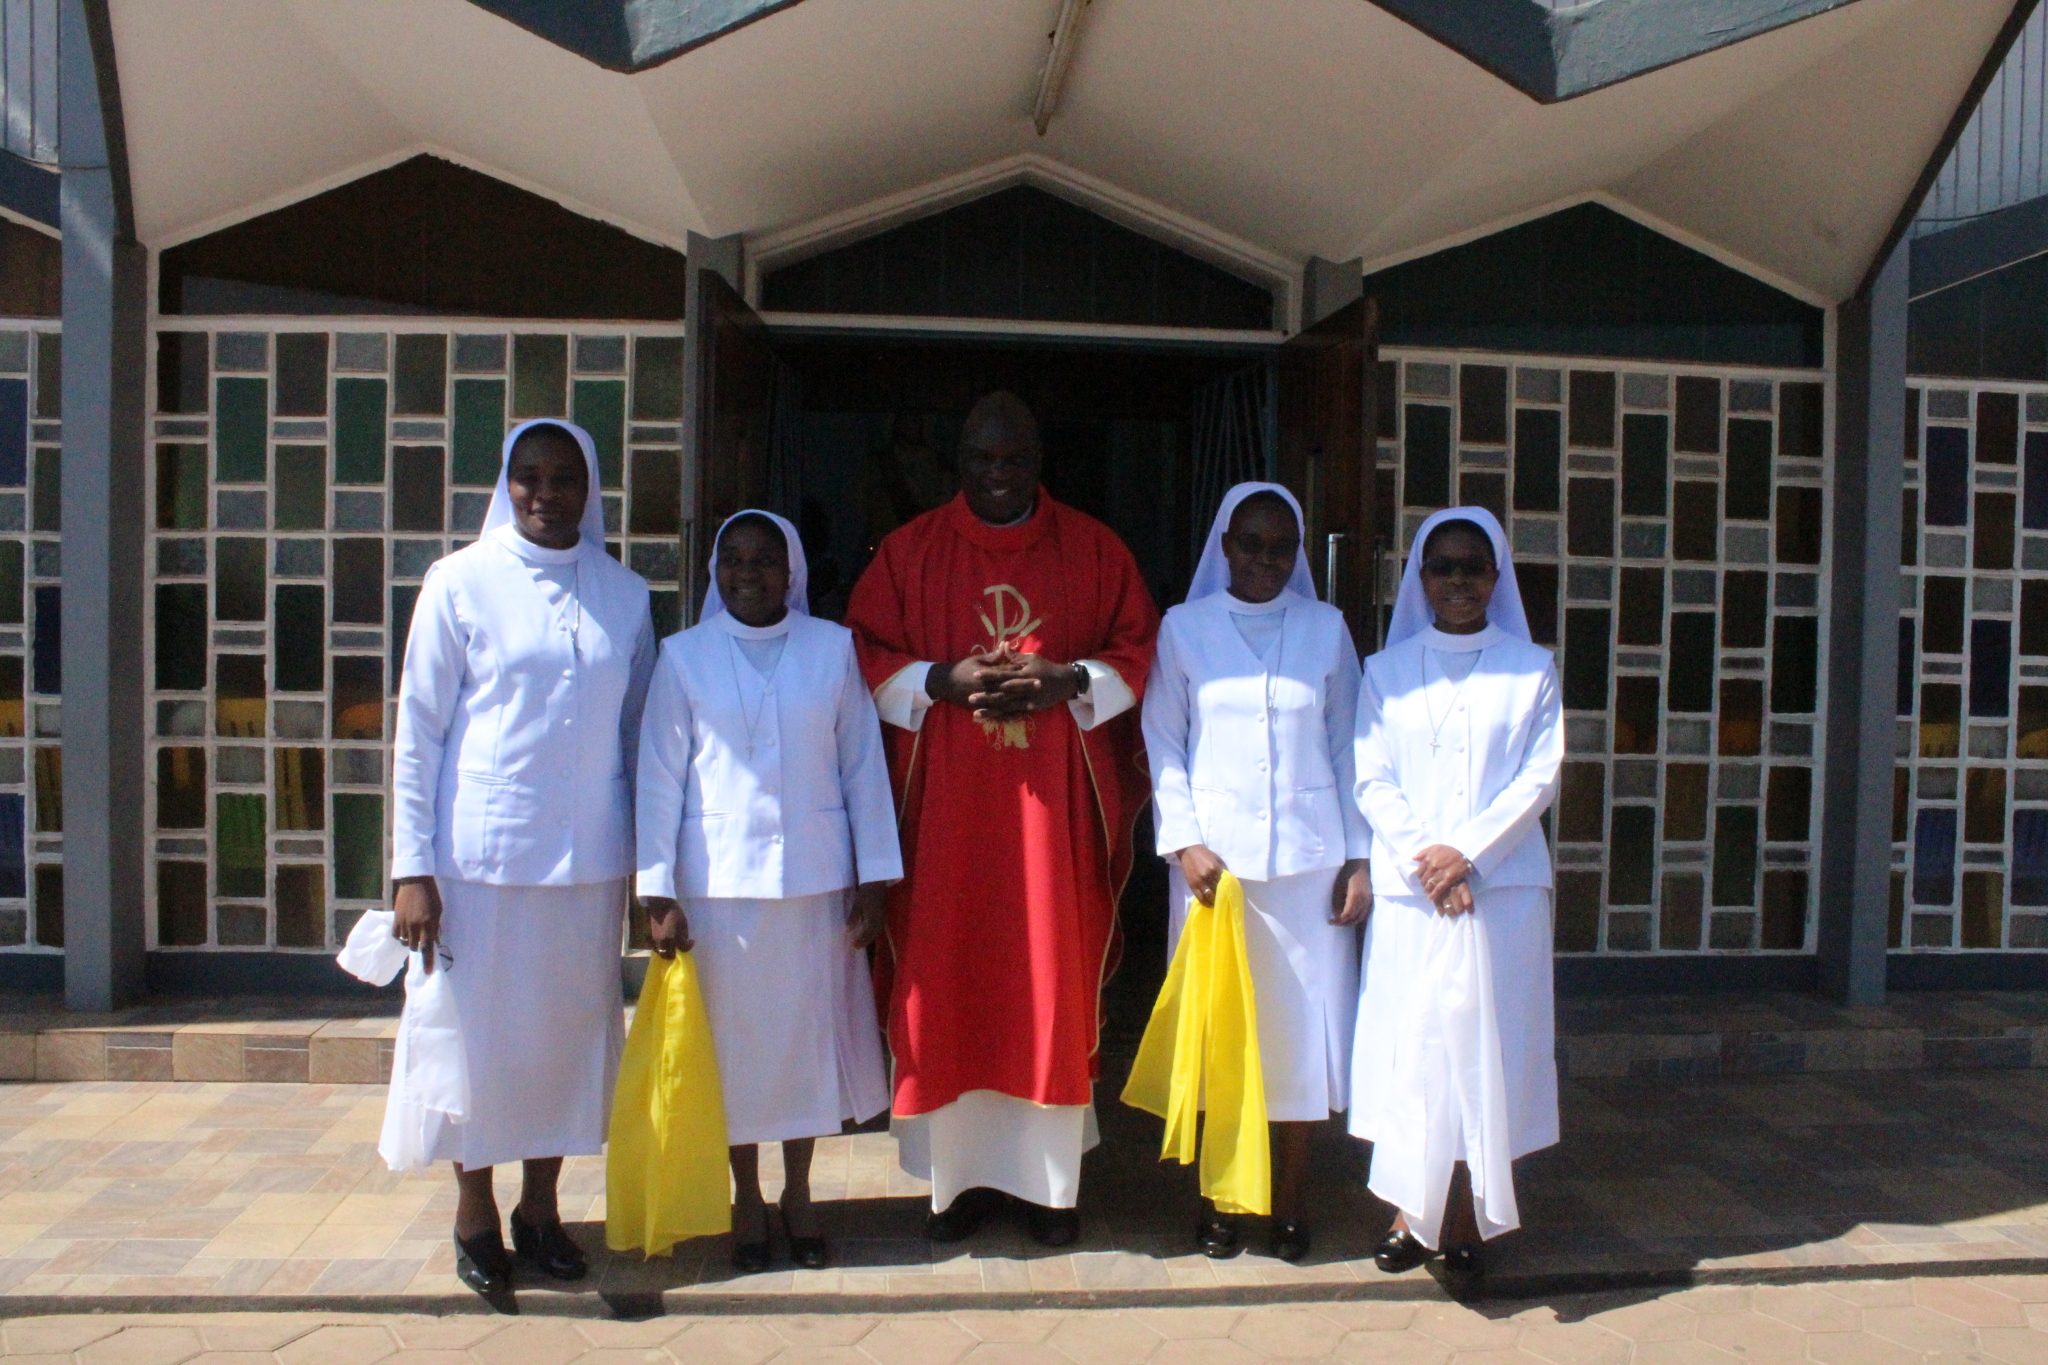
1446	643
509	537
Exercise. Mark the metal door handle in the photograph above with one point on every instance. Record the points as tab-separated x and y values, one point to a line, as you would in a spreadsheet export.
1330	566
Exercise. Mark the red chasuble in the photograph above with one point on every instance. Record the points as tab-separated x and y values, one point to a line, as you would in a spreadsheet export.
1016	834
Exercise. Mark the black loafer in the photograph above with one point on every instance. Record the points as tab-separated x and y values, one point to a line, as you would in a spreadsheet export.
1053	1227
1289	1239
1464	1270
549	1246
808	1253
964	1217
481	1263
1399	1251
1216	1235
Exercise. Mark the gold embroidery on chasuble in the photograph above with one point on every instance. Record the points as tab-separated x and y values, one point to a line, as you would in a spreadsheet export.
1008	620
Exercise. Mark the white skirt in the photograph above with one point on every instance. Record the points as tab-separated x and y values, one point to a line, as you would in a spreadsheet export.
792	1016
989	1140
1305	986
1455	1058
535	974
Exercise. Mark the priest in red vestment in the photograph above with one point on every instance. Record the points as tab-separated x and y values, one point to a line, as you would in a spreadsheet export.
1007	638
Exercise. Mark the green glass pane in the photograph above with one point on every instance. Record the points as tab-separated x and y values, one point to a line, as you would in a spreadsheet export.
302	374
301	788
241	429
479	430
417	495
299	485
358	846
47	496
601	410
10	582
359	430
422	369
180	487
181	636
239	833
540	376
658	379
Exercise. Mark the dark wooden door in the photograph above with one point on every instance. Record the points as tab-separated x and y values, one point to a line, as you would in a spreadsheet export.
1326	422
731	436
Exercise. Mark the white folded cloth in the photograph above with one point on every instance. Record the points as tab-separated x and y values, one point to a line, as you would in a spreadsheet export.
429	1069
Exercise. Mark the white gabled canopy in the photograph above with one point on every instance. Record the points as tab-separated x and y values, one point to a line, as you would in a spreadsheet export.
1311	128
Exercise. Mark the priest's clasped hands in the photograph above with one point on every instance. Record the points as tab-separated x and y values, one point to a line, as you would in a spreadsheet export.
996	684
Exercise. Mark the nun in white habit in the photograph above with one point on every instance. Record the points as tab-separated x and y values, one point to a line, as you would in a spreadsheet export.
1460	737
518	720
1248	722
767	836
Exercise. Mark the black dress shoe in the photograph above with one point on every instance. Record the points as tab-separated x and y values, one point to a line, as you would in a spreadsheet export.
548	1246
1399	1251
1216	1235
1289	1239
808	1253
1053	1227
481	1263
1464	1270
964	1217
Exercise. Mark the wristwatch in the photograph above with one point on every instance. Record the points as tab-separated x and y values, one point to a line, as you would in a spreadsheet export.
1080	679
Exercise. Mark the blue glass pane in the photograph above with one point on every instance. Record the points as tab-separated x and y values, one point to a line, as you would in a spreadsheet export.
49	638
2030	857
1990	668
13	432
1946	479
13	845
1934	857
2035	509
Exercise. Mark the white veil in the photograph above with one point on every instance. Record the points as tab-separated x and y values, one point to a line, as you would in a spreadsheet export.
590	531
1212	574
797	599
1412	615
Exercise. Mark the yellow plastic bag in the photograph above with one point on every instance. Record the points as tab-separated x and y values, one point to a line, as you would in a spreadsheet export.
665	1170
1202	1044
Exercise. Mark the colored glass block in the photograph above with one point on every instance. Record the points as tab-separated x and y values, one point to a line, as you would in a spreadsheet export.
2030	857
240	833
181	487
1592	409
301	901
359	430
479	431
1698	428
1586	654
658	379
2034	512
402	600
1788	804
540	375
46	642
13	432
13	703
300	780
1801	406
1902	803
1581	803
1635	714
46	494
241	926
1941	720
1589	518
599	408
239	695
1538	583
656	502
1749	470
180	787
1799	525
1984	805
181	636
358	696
358	846
13	845
302	374
12	584
1631	855
2034	616
1427	457
1482	405
49	394
1538	448
1745	609
1735	855
1983	917
49	782
180	903
1484	489
1795	665
1641	617
1998	427
181	372
241	430
1945	476
1991	545
1741	718
239	579
1695	523
1681	912
1942	613
1909	527
1645	464
1691	674
359	581
1990	668
299	488
1782	925
420	371
299	638
49	878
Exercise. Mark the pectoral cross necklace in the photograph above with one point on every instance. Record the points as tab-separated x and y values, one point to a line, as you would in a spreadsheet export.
1436	727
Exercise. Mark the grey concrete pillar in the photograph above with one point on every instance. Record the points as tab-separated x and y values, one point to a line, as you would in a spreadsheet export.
1863	637
105	354
1327	286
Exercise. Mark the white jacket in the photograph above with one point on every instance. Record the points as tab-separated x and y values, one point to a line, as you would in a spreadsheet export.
1251	759
809	811
514	746
1484	789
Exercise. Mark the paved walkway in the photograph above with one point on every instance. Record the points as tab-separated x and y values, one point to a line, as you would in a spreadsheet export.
139	1195
1985	1319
